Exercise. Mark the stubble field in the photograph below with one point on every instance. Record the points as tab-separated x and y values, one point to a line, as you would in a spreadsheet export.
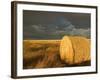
43	54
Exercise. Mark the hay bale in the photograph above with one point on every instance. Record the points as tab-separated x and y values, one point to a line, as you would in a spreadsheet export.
75	50
66	50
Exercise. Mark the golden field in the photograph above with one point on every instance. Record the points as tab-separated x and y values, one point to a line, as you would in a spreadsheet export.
44	54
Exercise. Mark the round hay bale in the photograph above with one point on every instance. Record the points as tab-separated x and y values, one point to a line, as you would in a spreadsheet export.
66	50
74	50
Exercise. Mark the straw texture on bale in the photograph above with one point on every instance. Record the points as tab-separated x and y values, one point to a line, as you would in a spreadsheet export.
74	50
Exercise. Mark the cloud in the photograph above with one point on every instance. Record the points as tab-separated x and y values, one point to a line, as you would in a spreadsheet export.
38	28
81	32
55	30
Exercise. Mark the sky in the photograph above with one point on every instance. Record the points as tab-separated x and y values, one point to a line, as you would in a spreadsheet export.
55	25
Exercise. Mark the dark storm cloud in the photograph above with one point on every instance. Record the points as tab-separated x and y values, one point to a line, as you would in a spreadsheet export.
54	25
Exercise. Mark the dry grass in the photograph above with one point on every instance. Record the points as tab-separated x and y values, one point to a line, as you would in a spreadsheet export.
41	54
44	54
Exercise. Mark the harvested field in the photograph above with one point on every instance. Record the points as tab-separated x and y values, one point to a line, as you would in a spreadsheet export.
41	54
44	54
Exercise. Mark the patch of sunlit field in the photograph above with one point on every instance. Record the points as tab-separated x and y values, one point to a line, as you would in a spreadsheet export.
41	53
46	54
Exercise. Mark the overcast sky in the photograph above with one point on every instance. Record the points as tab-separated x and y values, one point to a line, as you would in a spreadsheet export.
54	25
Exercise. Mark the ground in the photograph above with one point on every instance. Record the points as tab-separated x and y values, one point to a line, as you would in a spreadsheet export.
43	54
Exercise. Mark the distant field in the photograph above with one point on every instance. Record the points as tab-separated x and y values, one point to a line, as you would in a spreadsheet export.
42	54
